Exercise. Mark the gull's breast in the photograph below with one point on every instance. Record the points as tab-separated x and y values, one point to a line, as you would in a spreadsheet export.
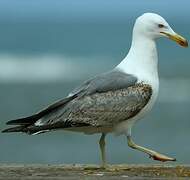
125	127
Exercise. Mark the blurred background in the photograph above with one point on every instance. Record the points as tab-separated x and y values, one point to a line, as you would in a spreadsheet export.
48	47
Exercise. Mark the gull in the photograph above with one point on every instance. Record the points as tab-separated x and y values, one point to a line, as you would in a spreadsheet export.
115	100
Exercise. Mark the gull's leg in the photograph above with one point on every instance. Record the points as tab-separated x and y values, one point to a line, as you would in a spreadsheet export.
102	148
153	154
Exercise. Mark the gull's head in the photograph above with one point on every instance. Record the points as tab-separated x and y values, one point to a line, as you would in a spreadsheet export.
154	26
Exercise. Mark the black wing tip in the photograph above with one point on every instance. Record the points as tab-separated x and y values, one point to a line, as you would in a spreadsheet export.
11	122
16	122
23	121
33	118
5	131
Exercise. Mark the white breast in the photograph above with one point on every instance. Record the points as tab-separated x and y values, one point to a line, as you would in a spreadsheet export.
125	127
141	62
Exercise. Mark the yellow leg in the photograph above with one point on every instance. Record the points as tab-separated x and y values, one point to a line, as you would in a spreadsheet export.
153	154
102	148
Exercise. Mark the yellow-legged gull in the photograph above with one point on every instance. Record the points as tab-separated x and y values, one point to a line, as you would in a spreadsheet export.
115	100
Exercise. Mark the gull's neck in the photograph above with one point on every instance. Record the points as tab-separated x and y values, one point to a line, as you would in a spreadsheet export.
142	60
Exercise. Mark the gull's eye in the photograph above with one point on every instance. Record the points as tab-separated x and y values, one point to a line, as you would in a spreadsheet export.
160	25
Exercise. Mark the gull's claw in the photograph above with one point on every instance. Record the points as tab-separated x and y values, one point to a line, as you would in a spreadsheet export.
152	154
161	157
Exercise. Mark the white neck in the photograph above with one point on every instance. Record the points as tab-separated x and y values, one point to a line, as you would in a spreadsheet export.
142	60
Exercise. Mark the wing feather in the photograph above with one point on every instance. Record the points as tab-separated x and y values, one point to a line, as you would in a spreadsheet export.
102	109
72	110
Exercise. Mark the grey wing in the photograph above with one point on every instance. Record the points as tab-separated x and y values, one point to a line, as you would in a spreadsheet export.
72	111
105	109
109	81
98	100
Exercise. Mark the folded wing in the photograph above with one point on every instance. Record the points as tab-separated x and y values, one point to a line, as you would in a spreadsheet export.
102	101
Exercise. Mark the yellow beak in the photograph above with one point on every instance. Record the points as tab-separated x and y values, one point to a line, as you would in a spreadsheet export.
177	38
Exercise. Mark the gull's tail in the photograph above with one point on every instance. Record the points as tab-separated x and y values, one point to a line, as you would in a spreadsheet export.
21	124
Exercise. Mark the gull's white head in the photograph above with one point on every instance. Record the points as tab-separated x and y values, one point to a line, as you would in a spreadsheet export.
154	26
